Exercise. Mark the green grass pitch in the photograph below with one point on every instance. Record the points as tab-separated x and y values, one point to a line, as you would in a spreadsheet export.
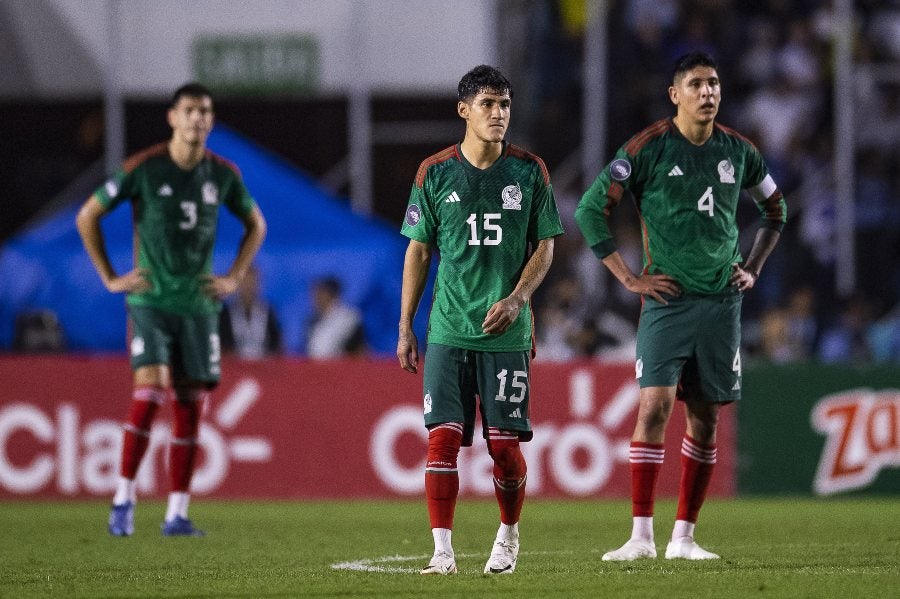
770	548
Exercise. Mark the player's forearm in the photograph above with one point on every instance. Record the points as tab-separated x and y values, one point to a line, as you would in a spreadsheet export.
88	224
763	244
535	270
415	273
254	234
616	265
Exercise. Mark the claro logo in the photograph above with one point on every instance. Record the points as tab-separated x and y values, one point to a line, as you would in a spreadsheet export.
577	456
863	436
38	449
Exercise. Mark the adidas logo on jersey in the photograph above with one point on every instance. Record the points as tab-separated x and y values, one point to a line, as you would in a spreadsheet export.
676	172
453	197
517	413
165	190
737	386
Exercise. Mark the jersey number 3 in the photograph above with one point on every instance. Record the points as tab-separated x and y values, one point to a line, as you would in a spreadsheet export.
190	216
493	234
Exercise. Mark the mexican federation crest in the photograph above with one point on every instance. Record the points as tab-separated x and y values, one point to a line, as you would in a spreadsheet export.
726	171
512	197
210	193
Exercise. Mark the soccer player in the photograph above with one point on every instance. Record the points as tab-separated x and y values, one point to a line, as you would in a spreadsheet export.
487	206
685	174
173	299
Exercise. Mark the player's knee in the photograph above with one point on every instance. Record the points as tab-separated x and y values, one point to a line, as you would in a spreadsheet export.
186	412
509	463
444	441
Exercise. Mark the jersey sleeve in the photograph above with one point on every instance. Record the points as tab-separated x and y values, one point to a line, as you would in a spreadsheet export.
118	188
604	194
420	222
545	221
238	199
769	199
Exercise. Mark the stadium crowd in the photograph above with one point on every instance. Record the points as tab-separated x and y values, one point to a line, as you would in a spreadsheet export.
774	59
775	64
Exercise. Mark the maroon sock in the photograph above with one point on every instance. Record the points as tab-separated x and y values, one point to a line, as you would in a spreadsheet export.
145	401
645	461
441	473
183	446
509	473
697	463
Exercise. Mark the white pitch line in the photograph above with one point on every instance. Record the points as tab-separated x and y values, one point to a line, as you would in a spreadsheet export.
372	564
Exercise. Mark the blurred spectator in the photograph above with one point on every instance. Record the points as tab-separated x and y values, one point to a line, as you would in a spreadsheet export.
847	339
558	322
336	329
38	331
877	220
884	337
789	334
248	325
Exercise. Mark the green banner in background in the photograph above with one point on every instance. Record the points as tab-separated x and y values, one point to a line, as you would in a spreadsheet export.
819	429
257	64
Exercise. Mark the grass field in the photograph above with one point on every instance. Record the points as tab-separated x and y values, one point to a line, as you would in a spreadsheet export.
770	548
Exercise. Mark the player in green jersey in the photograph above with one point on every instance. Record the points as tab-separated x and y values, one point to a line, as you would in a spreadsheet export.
685	174
173	297
488	208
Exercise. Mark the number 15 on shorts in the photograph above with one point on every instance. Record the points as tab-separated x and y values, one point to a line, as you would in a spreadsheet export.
519	385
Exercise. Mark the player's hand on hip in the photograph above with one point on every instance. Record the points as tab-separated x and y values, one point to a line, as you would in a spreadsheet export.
219	287
742	279
134	281
408	351
655	286
501	315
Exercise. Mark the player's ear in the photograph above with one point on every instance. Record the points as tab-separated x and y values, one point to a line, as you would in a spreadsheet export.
170	116
673	94
462	109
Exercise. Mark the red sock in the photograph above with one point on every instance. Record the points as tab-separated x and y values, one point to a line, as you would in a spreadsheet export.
136	436
645	460
697	463
183	446
509	473
441	473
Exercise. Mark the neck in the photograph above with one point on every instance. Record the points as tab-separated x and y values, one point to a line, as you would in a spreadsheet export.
480	154
694	132
186	156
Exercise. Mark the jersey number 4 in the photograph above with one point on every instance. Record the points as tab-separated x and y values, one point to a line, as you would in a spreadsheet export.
493	233
706	203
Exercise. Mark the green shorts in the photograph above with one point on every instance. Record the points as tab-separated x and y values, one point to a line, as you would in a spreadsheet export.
454	376
187	344
694	343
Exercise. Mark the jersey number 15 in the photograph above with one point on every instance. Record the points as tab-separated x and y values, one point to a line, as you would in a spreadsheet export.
493	233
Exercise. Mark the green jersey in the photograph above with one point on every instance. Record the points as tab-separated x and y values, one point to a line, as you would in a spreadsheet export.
482	223
687	198
175	217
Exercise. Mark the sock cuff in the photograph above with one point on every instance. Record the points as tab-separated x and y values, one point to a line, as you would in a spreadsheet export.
694	451
646	453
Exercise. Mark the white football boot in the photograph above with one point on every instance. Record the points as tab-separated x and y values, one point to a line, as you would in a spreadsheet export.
503	557
632	550
441	563
687	548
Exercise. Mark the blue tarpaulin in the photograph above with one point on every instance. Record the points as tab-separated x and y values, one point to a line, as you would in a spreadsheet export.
310	235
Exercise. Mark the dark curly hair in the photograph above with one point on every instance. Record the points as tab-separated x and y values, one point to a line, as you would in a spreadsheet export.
481	79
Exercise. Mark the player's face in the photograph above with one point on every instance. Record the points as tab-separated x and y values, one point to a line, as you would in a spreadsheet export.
697	94
191	119
487	116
